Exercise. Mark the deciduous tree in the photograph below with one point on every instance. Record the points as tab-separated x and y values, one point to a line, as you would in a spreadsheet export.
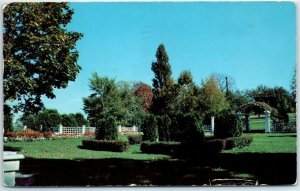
212	97
144	92
39	53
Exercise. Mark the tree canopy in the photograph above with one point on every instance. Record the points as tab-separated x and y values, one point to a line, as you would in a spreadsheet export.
213	98
276	97
109	99
144	92
39	53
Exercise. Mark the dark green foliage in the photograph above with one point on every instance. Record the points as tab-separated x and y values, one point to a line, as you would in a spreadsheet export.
202	150
149	128
161	68
135	139
8	119
228	124
187	99
80	120
44	120
111	99
187	128
164	124
106	129
68	120
160	147
277	97
237	100
163	85
238	142
39	53
106	145
214	146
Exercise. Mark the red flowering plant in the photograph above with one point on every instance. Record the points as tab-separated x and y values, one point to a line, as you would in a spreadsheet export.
89	134
27	135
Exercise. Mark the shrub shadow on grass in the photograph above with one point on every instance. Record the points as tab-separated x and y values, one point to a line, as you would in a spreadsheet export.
272	169
8	148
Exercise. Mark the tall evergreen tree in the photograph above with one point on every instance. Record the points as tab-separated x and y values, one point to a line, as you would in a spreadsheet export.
163	85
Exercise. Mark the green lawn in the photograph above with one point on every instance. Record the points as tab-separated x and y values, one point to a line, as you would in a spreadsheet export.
70	149
63	163
258	123
270	143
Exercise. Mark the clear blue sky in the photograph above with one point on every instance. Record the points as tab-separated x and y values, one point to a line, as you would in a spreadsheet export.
255	43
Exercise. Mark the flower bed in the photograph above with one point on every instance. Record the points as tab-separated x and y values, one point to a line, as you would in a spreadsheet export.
30	135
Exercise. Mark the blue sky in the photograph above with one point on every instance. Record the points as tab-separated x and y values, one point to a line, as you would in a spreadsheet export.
255	43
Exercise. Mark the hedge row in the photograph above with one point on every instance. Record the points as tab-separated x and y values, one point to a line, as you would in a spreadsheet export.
135	139
233	142
160	147
106	145
238	142
208	147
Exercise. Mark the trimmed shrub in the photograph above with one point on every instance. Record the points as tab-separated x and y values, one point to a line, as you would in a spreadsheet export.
193	132
238	142
107	129
164	124
160	147
135	139
215	146
106	145
149	128
228	124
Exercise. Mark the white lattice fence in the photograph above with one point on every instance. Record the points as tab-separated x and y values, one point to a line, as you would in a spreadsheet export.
207	128
73	130
128	129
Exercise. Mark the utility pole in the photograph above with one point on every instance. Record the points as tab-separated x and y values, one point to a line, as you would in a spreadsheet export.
227	91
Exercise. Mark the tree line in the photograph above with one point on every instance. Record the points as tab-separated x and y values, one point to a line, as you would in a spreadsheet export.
40	55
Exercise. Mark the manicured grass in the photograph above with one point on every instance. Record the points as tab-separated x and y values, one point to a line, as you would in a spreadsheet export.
270	143
70	149
270	159
258	123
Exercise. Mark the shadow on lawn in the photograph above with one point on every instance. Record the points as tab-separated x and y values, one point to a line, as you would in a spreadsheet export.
272	169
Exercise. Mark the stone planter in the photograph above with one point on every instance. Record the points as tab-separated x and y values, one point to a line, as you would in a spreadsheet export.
11	164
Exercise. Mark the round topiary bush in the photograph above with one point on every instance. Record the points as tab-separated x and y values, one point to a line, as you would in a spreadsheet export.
107	129
149	128
228	124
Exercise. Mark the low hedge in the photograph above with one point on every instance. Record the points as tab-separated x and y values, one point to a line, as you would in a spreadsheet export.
215	146
106	145
160	147
238	142
135	139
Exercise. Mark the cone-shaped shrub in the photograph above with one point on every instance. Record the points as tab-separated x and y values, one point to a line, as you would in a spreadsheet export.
149	128
164	124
